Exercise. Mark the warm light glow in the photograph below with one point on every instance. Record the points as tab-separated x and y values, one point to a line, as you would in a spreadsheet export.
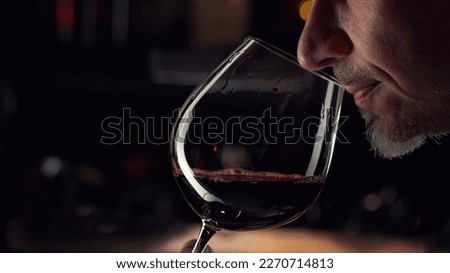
304	8
372	202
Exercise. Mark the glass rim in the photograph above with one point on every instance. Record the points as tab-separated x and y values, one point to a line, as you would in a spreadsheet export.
320	73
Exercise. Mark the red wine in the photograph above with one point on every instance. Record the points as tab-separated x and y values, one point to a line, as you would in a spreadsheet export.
247	200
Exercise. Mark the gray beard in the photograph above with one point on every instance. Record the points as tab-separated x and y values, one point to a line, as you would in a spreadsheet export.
387	148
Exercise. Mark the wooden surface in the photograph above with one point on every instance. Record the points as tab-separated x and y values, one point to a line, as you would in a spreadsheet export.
285	240
278	240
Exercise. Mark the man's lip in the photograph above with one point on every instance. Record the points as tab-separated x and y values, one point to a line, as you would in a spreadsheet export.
361	91
355	89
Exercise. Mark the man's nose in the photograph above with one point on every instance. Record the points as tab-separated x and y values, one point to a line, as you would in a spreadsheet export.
323	40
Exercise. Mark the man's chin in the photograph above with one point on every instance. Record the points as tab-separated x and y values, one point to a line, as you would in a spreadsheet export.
389	149
394	143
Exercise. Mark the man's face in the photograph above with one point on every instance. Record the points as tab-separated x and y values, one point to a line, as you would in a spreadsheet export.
393	56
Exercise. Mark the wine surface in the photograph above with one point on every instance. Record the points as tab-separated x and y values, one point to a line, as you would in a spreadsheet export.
250	200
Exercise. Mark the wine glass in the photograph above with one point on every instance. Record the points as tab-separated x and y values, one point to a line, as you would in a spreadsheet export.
252	145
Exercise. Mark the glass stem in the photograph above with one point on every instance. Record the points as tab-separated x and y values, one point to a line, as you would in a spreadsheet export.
206	233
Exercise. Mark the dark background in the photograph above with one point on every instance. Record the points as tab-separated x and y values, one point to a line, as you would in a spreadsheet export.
63	71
